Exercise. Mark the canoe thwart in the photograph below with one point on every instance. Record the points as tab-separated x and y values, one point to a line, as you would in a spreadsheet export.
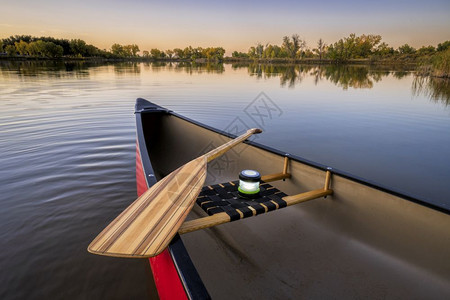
278	176
223	204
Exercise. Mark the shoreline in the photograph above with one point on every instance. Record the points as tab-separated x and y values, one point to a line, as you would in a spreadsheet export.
286	61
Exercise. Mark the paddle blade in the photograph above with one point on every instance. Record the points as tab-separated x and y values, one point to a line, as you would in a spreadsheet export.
146	227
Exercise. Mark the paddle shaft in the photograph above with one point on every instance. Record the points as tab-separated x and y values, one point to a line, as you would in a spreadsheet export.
227	146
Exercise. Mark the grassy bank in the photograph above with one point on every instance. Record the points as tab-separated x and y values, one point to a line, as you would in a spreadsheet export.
409	61
436	66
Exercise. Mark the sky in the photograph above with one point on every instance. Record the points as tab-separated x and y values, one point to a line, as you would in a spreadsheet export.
232	24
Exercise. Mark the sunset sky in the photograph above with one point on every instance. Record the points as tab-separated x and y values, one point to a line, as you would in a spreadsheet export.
234	25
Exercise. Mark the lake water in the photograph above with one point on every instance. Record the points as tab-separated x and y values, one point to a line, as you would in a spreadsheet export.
67	141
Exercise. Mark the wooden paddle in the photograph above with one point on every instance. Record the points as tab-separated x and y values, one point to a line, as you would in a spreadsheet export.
146	227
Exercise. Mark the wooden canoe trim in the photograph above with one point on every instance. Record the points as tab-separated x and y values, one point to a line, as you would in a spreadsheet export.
275	177
327	180
285	166
206	222
299	198
278	176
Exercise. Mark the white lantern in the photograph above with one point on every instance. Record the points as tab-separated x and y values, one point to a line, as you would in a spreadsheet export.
249	183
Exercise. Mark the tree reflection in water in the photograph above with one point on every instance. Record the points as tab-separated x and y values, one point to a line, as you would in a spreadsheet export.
290	75
345	76
437	89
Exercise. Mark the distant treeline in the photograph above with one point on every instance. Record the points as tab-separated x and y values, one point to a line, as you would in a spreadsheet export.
366	47
349	48
49	47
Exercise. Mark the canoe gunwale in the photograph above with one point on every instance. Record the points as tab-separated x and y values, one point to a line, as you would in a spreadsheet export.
146	106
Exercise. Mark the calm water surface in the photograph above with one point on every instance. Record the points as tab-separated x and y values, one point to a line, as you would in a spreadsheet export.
67	139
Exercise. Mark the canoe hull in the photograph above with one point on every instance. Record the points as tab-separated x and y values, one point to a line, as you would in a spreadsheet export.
363	241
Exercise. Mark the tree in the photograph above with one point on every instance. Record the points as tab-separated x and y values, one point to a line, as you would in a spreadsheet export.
239	54
35	48
179	53
259	49
252	52
320	48
52	50
10	50
443	46
145	54
365	45
406	49
21	47
188	52
1	46
117	50
78	47
384	50
426	50
295	47
170	53
131	50
157	54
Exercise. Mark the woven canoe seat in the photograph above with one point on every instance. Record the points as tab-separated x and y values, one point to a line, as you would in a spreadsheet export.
224	197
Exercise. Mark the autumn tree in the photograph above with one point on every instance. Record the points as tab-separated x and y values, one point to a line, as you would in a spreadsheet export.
293	46
35	48
353	46
157	54
21	47
78	47
178	53
11	50
170	53
320	47
52	50
131	50
384	50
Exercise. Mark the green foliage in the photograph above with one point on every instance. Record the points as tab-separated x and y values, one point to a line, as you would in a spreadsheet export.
170	53
157	54
354	47
406	49
178	53
426	50
21	47
117	50
10	50
367	47
237	54
52	50
443	46
441	63
294	46
321	46
384	50
78	48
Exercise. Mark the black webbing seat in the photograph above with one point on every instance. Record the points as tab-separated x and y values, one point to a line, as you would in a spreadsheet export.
224	197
